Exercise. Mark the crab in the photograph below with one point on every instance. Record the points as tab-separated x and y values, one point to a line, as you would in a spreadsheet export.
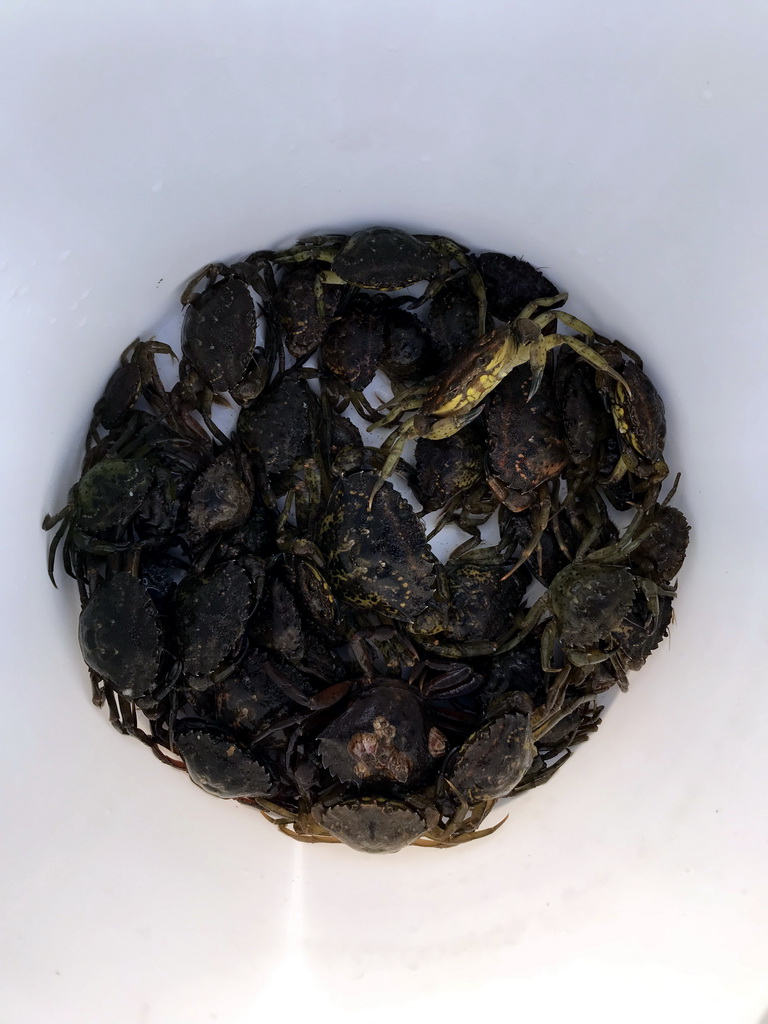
493	760
588	601
450	477
136	377
638	413
455	396
661	554
511	284
122	642
447	469
408	350
383	259
221	497
295	309
382	824
219	764
587	424
210	614
378	560
353	342
279	427
525	439
452	318
384	736
99	509
475	603
219	330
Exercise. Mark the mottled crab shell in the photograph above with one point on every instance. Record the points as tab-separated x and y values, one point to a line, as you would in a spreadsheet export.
447	467
248	698
385	259
482	603
371	824
378	560
220	499
640	633
453	319
295	305
525	439
211	614
278	426
586	421
219	333
354	342
220	765
111	492
493	760
588	601
120	636
661	554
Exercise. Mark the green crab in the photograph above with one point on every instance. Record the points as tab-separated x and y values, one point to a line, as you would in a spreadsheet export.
453	399
385	259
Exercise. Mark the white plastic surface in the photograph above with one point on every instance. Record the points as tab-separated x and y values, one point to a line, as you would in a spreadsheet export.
623	148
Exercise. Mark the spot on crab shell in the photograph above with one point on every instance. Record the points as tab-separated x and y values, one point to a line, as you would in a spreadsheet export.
375	753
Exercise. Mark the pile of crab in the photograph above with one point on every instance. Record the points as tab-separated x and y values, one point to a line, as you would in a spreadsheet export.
262	603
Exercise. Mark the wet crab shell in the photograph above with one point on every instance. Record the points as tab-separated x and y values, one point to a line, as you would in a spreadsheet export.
588	601
640	633
248	699
111	493
121	637
448	467
511	283
586	421
453	319
121	394
661	554
494	759
278	426
220	499
221	766
354	342
516	671
378	560
639	415
408	353
295	307
525	439
211	613
219	333
371	824
385	259
382	737
481	602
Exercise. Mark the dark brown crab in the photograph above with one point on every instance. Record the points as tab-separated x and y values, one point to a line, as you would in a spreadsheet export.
639	416
589	601
454	398
474	605
219	331
377	560
383	259
135	378
121	636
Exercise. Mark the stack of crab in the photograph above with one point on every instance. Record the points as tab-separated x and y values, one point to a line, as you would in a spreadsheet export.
262	605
